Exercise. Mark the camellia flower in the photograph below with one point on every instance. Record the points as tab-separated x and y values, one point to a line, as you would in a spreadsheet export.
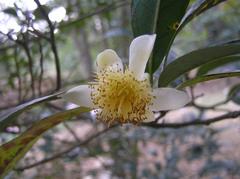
125	95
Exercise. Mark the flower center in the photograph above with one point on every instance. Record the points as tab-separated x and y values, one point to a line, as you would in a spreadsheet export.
121	97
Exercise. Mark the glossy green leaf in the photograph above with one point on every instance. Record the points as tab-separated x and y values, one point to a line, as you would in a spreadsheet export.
12	151
201	79
38	14
8	116
154	16
234	94
196	9
10	11
204	69
195	59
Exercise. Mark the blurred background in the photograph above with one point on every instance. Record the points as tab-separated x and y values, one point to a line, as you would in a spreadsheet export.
53	47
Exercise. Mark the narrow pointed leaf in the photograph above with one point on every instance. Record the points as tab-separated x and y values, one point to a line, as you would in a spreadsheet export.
234	94
201	79
195	59
12	151
10	11
204	69
156	16
196	9
8	116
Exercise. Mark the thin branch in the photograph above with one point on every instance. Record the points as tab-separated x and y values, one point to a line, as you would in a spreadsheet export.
41	68
200	107
196	122
107	8
83	17
60	154
53	44
71	131
214	106
161	115
30	62
18	75
24	44
39	34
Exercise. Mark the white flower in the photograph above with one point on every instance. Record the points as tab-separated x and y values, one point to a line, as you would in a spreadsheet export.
125	95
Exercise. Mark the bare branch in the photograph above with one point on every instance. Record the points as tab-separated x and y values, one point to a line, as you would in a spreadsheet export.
97	11
18	75
30	62
71	131
60	154
53	44
41	68
195	122
83	17
24	44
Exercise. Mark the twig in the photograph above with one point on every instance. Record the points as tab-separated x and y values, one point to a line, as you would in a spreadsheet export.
214	106
200	107
24	44
30	61
95	12
18	76
41	69
85	16
53	44
38	34
60	154
195	122
161	115
70	130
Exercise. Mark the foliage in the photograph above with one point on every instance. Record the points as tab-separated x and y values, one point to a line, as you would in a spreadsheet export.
40	56
195	59
153	17
12	151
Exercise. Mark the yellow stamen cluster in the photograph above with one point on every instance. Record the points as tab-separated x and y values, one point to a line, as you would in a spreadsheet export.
120	97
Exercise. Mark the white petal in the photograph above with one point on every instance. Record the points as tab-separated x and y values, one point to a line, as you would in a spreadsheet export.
139	53
150	117
146	76
108	58
169	99
80	95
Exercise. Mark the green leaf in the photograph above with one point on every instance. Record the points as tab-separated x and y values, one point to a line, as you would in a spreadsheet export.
12	151
161	17
38	13
234	94
10	11
204	69
196	9
8	116
201	79
195	59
